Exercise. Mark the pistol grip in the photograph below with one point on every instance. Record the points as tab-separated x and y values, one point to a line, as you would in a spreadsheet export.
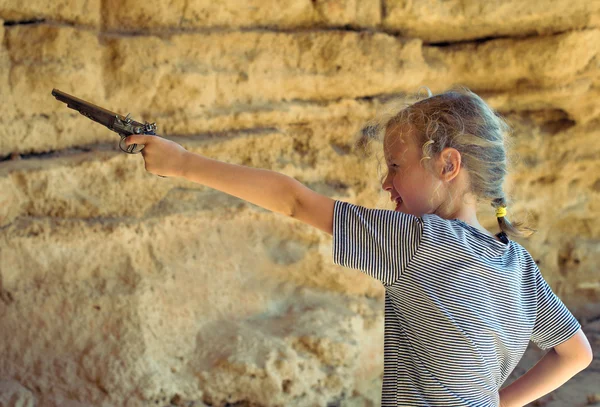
131	149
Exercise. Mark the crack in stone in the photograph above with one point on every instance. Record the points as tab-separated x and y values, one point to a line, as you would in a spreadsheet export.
9	23
170	31
14	156
108	224
107	147
483	40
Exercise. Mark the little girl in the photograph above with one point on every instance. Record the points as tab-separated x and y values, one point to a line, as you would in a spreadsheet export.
461	303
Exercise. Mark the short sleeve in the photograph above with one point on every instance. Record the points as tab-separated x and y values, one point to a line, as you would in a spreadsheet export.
554	323
379	242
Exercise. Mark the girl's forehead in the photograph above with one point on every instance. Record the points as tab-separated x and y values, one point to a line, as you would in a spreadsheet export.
399	133
397	141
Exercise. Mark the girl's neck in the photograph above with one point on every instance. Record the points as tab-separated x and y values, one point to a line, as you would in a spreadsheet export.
468	215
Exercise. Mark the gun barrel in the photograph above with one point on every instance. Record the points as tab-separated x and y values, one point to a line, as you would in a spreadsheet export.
79	104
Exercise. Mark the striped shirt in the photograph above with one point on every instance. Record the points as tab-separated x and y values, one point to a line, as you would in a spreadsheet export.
460	306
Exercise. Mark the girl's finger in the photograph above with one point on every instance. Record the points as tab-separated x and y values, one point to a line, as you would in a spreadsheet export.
136	139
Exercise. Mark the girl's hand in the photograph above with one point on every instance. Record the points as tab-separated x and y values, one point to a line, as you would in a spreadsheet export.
161	156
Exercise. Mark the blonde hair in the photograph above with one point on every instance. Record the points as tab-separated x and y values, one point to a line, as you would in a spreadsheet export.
460	119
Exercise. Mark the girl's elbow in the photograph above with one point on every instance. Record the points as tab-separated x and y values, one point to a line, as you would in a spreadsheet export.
585	360
577	349
589	357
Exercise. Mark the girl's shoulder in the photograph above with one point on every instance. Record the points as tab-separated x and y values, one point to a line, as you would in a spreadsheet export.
457	234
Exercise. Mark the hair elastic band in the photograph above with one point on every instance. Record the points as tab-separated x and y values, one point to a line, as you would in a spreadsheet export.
501	212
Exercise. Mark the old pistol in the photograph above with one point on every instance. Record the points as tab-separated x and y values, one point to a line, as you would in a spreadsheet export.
124	126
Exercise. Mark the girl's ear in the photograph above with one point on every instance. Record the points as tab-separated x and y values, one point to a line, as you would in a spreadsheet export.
450	163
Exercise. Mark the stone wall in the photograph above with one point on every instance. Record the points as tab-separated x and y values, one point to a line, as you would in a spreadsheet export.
122	288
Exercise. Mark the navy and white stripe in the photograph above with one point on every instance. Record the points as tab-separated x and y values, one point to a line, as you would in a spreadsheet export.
375	232
460	306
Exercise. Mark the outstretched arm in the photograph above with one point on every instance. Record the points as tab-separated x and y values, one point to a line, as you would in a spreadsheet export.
265	188
269	189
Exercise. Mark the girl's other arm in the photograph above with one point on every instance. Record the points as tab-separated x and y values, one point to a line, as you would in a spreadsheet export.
557	366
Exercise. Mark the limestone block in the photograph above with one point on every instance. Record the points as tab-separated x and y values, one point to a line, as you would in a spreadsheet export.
504	64
79	12
458	20
89	340
578	99
288	365
354	13
230	14
272	115
43	132
193	72
75	187
44	57
38	59
7	102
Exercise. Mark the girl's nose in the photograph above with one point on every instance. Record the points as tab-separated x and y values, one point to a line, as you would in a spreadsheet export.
386	185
